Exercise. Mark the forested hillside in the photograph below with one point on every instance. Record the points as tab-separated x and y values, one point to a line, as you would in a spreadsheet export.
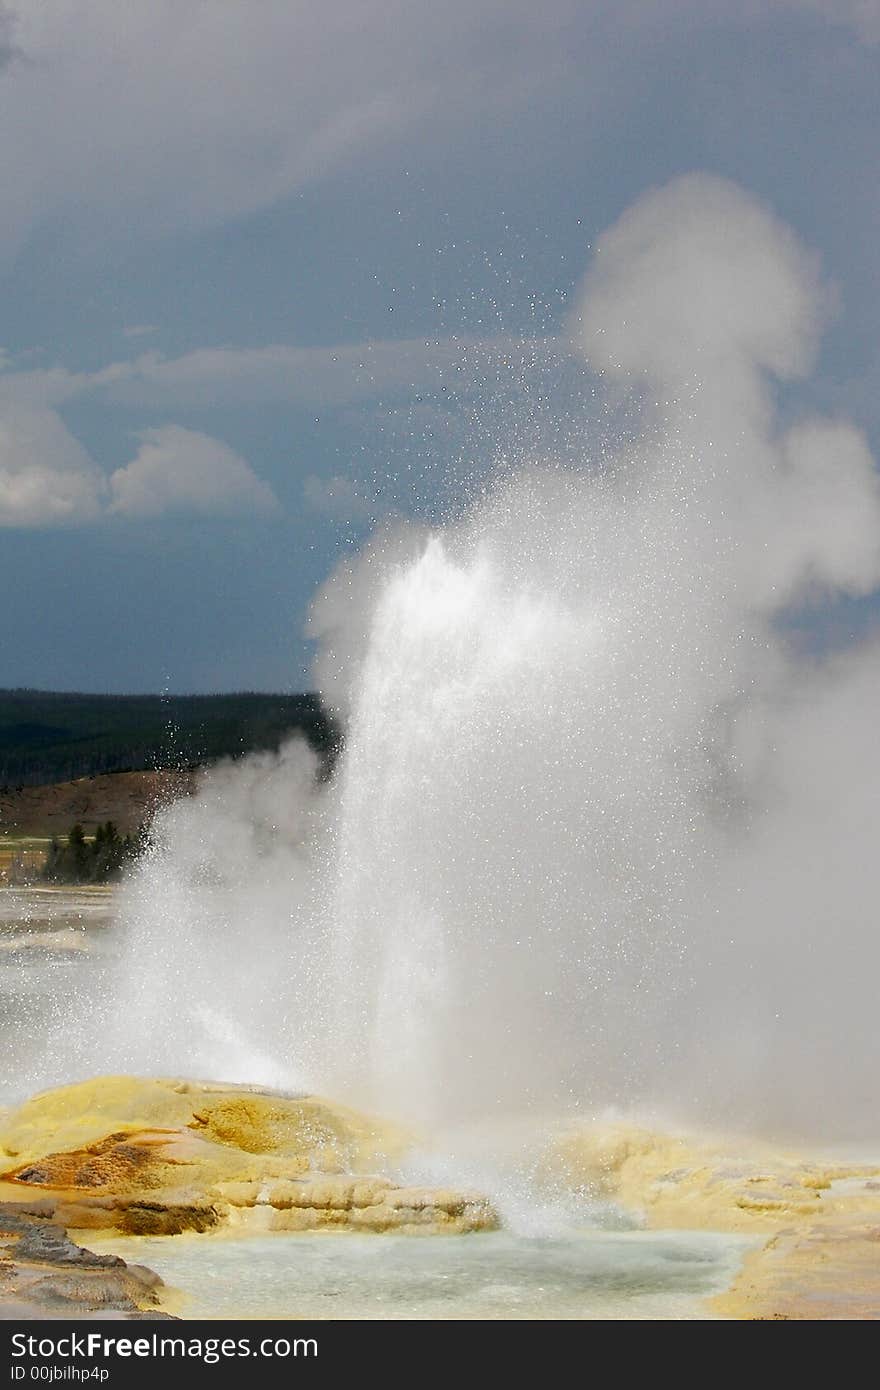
50	737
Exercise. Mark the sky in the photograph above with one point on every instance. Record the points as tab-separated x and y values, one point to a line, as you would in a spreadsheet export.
271	274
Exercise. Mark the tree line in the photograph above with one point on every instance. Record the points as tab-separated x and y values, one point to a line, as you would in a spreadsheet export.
47	736
100	859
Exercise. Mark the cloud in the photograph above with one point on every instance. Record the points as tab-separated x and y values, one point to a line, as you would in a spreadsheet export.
46	476
44	388
48	479
343	374
218	111
316	377
180	470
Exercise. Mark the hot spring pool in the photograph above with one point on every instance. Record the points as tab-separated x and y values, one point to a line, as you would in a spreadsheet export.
587	1275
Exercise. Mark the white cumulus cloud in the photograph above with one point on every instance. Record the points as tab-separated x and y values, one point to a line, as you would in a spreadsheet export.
48	479
181	470
46	476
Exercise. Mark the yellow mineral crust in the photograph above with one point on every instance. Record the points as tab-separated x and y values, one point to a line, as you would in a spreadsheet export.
829	1270
822	1258
252	1120
162	1156
159	1157
697	1183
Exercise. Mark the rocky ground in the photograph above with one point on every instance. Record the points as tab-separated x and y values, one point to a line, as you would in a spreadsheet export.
44	1274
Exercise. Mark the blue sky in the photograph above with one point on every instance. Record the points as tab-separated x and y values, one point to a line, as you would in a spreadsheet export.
271	272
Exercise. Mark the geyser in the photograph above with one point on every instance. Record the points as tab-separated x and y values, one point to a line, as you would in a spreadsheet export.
599	836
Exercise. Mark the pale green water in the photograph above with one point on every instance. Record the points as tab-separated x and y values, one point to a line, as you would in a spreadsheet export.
594	1275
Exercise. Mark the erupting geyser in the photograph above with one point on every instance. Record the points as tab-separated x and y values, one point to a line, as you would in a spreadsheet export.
598	834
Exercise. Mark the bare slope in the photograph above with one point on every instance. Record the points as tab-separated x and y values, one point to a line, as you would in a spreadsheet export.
127	798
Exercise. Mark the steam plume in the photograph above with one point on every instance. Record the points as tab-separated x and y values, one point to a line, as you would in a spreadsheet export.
599	836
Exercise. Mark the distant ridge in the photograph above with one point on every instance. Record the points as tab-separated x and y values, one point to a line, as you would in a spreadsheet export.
57	736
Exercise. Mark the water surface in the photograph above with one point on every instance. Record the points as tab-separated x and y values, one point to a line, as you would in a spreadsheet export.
592	1275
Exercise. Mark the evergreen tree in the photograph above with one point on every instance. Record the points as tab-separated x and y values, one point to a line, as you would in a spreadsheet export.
99	860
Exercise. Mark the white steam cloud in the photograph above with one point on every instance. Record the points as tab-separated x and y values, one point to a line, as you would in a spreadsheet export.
598	835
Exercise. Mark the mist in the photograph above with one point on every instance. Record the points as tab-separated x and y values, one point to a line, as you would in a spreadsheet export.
600	834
